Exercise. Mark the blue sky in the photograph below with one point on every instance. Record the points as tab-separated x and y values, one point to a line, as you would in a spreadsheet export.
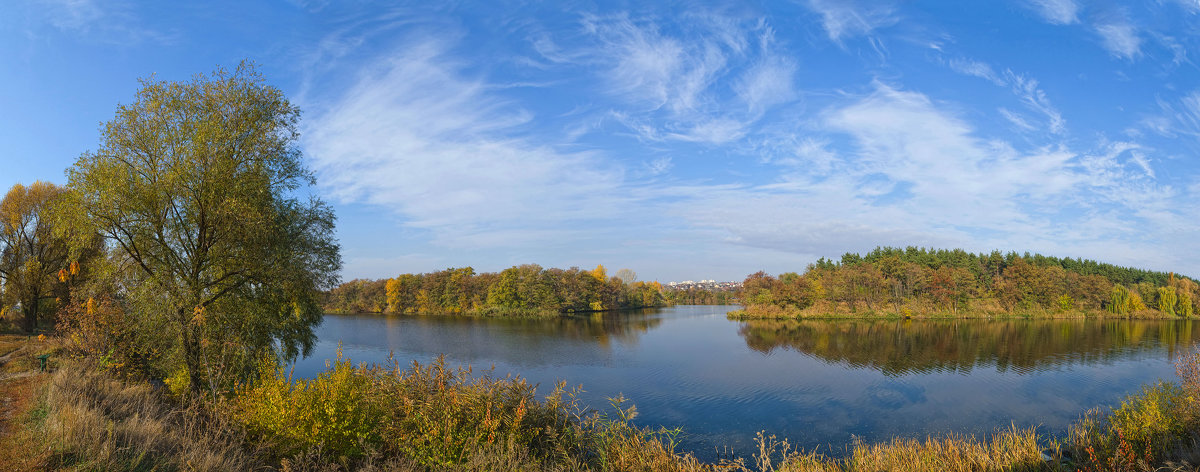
685	140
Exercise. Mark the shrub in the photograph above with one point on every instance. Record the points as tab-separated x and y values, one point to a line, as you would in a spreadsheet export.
1150	427
101	328
441	416
334	412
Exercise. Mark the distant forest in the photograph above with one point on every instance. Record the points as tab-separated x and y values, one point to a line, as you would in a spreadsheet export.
926	281
528	290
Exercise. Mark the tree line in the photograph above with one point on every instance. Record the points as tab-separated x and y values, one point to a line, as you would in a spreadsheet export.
527	289
919	280
701	296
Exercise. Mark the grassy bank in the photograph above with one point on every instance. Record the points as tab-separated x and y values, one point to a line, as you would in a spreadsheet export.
435	417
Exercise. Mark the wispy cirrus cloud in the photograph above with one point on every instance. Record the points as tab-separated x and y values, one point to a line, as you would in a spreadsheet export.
1180	117
1117	33
707	84
1035	99
418	137
75	15
115	21
1026	89
979	69
845	18
1059	12
1120	38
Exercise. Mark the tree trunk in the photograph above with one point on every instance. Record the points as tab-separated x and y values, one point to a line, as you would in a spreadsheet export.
191	352
30	313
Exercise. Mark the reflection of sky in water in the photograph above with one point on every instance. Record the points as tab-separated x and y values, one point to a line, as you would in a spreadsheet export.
690	367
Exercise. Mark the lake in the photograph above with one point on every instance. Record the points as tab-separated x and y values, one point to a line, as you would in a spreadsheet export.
818	383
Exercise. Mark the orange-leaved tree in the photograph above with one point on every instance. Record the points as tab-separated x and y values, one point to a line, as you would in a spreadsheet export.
32	252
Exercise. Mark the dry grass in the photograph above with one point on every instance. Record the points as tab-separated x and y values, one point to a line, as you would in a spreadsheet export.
94	422
21	448
1009	450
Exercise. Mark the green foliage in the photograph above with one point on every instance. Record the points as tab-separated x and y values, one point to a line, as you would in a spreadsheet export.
439	415
1119	300
1167	300
195	183
1151	417
1135	302
436	416
1148	428
519	290
335	411
1185	307
357	296
926	281
1065	302
700	296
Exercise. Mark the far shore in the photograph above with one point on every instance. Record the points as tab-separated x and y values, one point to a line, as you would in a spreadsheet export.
775	313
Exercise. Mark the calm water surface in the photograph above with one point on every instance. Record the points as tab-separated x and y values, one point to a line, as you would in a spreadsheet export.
814	382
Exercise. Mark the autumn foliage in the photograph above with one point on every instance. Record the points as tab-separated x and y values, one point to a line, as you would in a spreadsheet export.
519	290
917	281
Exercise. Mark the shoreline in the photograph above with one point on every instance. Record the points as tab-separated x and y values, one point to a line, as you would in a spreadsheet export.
1155	427
500	313
753	313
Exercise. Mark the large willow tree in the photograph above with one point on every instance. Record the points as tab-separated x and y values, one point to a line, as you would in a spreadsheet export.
196	185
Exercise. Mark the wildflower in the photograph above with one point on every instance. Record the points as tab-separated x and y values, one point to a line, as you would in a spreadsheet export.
41	338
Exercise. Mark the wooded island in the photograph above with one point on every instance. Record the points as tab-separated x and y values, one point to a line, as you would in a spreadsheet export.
919	282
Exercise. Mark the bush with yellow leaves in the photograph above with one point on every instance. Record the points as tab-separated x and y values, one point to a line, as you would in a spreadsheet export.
337	411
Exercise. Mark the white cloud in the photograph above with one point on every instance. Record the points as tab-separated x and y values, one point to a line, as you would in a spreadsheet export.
1141	161
1026	90
915	173
685	83
1035	99
659	166
416	137
1120	39
714	131
1017	120
113	21
1059	12
844	18
1177	119
767	84
77	15
904	136
977	69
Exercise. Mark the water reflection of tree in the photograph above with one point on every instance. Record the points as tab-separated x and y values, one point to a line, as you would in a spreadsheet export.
603	328
621	326
920	346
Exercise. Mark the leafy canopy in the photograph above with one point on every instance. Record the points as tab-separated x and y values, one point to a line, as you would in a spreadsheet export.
195	183
31	252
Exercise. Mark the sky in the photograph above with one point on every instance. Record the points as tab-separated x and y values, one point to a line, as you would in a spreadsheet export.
682	140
